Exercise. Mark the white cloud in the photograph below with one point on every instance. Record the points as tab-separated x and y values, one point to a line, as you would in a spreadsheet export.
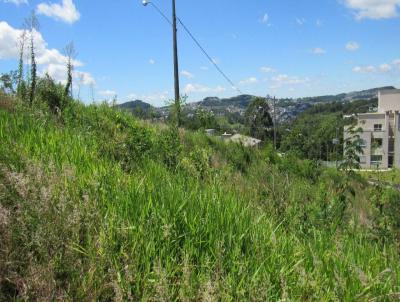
216	61
265	18
65	12
364	69
300	21
373	9
198	88
267	69
383	68
352	46
284	79
204	68
318	51
50	60
154	98
249	81
107	93
319	23
152	61
16	2
187	74
396	63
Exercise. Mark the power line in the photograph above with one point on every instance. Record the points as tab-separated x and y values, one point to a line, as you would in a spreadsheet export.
209	57
161	13
198	45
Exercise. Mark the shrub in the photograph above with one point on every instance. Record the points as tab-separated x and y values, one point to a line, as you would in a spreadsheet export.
52	94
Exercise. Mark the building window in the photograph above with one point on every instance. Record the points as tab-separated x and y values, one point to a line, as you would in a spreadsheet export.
376	159
363	159
377	143
363	143
378	127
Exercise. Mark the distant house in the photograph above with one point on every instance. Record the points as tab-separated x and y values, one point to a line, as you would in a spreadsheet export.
247	141
381	132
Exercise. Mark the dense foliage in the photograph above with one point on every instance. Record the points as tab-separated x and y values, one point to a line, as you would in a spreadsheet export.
98	206
317	133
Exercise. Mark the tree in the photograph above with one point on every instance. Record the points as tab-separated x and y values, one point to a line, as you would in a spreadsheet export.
352	149
8	82
21	88
259	119
71	54
176	110
311	135
32	24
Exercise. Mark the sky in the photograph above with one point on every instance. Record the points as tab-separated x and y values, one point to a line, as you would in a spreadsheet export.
286	48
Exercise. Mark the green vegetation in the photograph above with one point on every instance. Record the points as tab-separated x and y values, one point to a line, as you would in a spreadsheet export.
98	206
311	135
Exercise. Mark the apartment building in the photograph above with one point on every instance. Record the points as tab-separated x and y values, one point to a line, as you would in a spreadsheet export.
381	132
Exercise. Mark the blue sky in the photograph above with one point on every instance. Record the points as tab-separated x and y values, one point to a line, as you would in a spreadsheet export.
287	48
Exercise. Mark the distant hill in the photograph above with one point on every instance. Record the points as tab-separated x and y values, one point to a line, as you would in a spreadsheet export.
135	105
347	97
286	109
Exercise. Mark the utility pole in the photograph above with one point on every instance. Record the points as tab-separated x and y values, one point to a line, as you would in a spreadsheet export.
176	66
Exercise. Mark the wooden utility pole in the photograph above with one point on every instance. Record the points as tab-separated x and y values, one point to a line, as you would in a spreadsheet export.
176	64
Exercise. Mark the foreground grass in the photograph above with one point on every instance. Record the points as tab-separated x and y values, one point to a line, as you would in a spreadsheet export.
92	207
390	177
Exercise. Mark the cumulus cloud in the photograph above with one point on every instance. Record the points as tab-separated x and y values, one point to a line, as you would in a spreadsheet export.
365	69
58	72
65	12
16	2
152	61
154	98
318	51
284	80
249	81
198	88
187	74
300	21
108	94
265	19
50	60
396	63
382	68
267	69
352	46
373	9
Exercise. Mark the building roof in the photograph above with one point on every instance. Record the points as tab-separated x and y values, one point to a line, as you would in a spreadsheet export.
389	91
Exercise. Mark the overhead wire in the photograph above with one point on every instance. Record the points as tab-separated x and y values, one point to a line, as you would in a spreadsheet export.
200	47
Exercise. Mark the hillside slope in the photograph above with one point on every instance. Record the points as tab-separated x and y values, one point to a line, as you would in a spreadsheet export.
97	206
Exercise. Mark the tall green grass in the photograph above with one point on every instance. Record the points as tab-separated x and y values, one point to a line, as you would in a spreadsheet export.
93	210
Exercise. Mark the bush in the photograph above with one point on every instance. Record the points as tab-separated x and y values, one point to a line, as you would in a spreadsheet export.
52	94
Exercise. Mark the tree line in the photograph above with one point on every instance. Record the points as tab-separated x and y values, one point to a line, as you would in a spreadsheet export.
26	85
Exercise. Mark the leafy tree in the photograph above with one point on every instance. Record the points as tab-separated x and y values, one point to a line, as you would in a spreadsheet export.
311	135
259	119
21	88
71	54
352	149
8	82
176	110
51	93
32	24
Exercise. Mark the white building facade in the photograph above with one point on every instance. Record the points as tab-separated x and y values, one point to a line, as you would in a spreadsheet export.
381	132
